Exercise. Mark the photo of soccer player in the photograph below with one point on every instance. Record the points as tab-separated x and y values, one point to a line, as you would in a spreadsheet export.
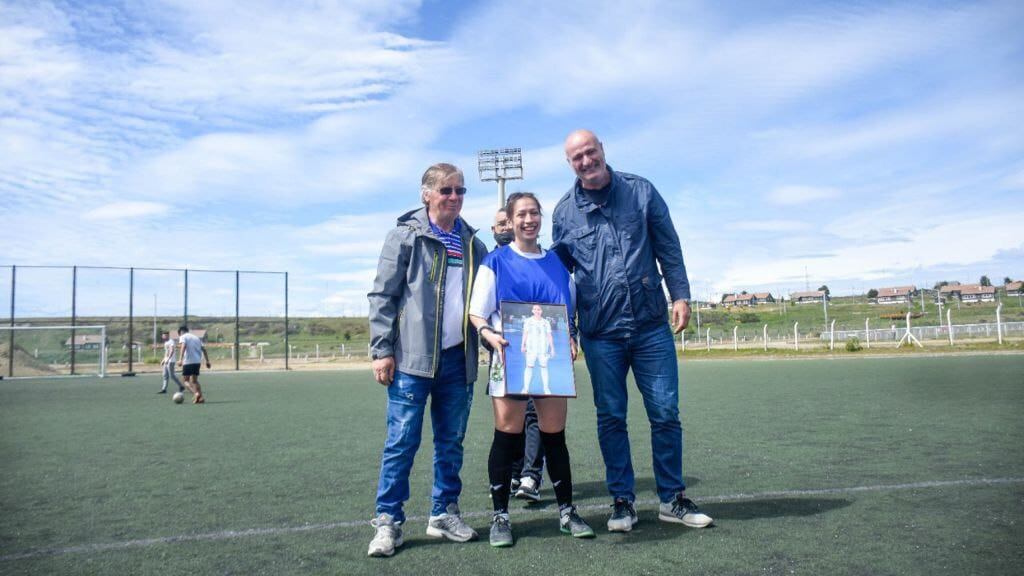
538	361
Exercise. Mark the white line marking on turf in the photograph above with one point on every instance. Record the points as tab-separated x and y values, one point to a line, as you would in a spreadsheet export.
232	534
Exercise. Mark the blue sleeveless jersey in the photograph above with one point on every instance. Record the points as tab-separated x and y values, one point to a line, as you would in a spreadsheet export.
543	280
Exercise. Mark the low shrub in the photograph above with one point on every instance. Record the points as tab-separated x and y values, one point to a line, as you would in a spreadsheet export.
853	344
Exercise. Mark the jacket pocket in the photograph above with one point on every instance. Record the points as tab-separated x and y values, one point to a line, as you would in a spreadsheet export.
583	243
655	303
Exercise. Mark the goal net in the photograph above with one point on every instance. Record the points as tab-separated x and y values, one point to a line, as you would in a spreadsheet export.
41	351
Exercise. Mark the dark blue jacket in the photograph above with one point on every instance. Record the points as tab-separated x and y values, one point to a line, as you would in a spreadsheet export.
614	251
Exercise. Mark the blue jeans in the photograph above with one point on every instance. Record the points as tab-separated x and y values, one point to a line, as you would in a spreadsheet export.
652	356
451	400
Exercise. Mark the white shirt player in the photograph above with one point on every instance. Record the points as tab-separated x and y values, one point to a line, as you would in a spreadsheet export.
193	349
536	335
170	351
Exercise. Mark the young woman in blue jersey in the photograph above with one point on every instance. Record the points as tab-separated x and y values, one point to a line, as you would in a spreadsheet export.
523	272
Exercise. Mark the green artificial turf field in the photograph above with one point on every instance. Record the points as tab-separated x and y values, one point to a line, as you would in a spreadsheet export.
859	466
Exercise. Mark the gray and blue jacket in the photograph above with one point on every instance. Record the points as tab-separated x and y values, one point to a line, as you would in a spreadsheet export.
407	301
614	251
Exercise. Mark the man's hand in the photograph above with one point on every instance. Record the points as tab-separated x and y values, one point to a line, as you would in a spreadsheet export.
207	364
572	348
384	370
680	315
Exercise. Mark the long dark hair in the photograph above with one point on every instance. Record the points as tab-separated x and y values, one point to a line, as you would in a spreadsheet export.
517	196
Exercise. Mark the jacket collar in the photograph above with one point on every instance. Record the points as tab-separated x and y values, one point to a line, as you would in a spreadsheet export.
583	203
419	221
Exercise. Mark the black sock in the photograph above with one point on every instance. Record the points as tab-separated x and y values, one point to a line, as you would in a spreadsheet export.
557	455
505	448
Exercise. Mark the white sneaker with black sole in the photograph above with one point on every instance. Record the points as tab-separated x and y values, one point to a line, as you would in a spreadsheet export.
528	489
623	516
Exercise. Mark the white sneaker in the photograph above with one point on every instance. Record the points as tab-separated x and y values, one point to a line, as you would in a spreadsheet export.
450	525
387	538
528	489
682	510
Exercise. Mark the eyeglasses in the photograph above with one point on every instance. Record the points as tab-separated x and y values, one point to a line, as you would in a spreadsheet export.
447	190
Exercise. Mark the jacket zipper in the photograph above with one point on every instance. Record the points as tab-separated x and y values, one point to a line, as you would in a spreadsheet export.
438	319
467	292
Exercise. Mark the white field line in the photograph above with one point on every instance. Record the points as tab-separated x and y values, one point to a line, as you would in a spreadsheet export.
233	534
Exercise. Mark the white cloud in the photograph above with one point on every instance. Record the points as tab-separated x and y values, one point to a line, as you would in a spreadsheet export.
960	241
126	210
302	128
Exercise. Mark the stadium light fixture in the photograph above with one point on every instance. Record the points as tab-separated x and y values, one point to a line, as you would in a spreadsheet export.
499	165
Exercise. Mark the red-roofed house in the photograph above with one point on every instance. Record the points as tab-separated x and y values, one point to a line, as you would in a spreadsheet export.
896	294
976	293
807	297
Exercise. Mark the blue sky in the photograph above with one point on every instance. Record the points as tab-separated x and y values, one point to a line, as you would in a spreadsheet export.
856	145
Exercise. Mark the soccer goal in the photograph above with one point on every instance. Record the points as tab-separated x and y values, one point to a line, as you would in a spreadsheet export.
42	351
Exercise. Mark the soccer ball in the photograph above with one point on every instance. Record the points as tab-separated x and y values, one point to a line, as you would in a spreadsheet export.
178	397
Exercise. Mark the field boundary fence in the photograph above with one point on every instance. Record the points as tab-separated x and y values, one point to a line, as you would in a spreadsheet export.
217	305
717	337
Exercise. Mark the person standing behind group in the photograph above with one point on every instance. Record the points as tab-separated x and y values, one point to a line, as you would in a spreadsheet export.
192	354
422	347
528	470
523	272
170	358
613	230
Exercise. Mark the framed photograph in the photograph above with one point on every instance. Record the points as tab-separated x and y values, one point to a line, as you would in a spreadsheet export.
538	359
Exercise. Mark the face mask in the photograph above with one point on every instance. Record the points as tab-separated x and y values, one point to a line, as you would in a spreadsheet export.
504	238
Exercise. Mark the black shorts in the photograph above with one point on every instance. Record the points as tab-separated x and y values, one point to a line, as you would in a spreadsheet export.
190	370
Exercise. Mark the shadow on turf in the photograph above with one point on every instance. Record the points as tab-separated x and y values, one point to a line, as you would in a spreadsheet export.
772	508
644	487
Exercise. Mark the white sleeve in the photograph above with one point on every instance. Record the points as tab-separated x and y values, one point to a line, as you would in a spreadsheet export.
482	302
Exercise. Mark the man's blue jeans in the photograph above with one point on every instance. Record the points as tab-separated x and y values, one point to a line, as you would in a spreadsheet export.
451	399
652	356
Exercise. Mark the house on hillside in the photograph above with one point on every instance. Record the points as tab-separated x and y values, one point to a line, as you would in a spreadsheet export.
1014	288
85	342
975	293
744	300
747	299
896	295
951	291
808	297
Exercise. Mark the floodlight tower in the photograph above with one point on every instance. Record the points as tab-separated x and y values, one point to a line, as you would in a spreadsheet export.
499	165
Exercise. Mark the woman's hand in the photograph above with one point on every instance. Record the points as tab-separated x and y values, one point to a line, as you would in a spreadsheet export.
497	343
572	348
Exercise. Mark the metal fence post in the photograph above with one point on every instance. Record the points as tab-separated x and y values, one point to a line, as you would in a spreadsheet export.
999	323
286	348
131	321
74	297
238	351
184	318
10	358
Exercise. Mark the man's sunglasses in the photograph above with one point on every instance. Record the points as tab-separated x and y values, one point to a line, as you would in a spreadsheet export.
447	190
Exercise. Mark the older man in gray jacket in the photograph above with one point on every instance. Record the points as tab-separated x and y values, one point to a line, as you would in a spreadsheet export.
423	346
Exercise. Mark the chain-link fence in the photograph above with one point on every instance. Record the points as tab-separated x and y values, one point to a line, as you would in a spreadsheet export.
242	316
